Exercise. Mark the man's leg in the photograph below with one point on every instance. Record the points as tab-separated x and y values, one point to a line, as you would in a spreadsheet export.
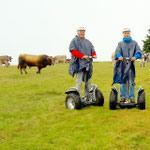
132	88
79	81
132	91
127	85
123	91
87	87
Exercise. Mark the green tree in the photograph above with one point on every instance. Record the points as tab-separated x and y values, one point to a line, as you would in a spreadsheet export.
146	46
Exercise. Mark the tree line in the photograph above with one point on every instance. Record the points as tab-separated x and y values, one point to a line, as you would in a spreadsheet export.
146	46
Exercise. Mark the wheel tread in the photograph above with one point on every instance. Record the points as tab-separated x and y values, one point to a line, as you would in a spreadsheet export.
113	100
76	99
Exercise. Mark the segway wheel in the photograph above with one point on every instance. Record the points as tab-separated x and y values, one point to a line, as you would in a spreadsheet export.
99	98
141	100
73	101
113	100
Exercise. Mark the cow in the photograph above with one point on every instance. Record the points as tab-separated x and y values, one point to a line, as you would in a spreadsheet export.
5	60
68	60
60	59
143	60
113	56
148	57
40	61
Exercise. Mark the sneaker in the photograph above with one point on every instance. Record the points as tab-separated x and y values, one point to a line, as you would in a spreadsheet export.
132	100
90	100
93	100
83	99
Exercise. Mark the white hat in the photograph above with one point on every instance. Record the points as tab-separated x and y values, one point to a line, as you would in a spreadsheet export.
126	29
81	28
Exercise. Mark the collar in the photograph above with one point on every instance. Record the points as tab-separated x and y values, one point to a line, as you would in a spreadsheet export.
127	40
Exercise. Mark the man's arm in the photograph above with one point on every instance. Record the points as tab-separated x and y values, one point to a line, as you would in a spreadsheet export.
77	54
118	53
93	53
137	53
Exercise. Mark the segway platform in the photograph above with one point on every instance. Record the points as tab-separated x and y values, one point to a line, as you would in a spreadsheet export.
127	105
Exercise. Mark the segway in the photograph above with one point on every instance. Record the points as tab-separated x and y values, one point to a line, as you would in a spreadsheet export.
94	96
114	96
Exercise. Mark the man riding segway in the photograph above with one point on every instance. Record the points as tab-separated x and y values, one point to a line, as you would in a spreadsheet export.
127	52
82	52
81	49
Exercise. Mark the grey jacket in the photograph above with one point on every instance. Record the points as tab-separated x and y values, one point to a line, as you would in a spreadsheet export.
128	49
86	48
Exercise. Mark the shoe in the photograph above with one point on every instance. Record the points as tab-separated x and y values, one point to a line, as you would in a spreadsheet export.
132	100
83	99
93	100
90	100
123	100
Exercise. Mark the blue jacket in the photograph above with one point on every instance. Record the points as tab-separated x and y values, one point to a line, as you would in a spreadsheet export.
86	48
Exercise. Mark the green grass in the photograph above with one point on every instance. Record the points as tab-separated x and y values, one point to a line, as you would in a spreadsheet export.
33	114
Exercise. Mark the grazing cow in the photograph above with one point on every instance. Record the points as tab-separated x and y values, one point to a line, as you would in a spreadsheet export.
40	61
113	56
68	60
143	60
5	60
148	57
60	59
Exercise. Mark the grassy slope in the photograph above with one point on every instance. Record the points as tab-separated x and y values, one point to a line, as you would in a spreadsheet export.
33	115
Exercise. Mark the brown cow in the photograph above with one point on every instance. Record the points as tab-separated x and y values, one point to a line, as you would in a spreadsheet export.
40	61
5	60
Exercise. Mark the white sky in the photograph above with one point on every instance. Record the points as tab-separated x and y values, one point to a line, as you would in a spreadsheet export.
48	26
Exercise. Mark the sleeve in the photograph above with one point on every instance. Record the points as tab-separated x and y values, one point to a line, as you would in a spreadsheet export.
72	45
118	52
93	53
76	53
137	54
92	48
118	55
137	48
118	49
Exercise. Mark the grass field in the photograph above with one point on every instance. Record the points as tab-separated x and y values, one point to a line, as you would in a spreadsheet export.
33	114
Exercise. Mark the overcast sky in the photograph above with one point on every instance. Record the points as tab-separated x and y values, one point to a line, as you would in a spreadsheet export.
48	26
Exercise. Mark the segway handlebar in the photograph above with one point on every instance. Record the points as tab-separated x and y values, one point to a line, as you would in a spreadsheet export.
126	59
89	57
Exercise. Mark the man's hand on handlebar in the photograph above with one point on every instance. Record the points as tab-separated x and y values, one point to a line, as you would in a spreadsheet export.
89	57
133	59
85	57
94	56
120	58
